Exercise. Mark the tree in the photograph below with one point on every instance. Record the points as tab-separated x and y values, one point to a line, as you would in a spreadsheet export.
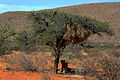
57	30
25	41
6	35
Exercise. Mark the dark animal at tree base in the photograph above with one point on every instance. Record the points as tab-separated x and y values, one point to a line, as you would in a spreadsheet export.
65	69
64	66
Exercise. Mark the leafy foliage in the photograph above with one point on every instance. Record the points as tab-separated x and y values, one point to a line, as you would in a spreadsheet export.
96	26
25	41
6	36
50	26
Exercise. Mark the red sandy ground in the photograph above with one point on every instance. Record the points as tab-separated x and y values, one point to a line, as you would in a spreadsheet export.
24	75
12	75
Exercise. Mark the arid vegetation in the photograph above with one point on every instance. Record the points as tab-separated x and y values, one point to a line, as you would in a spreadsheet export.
102	67
6	35
57	42
23	62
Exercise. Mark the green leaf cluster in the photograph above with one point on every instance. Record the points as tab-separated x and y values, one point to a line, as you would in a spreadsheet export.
25	41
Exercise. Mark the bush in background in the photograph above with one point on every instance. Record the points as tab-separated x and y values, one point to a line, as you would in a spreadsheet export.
23	62
25	41
6	36
103	68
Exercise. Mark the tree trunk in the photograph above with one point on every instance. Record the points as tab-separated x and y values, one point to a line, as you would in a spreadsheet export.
56	62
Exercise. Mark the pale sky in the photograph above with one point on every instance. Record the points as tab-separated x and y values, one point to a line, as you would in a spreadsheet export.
30	5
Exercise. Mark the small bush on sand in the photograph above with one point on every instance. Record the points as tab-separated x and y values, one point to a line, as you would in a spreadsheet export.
23	62
103	68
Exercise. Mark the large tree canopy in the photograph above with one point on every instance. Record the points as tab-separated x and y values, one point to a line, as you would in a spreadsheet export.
57	29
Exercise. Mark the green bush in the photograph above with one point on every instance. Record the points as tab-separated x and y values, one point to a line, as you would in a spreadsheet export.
65	54
25	41
68	54
6	36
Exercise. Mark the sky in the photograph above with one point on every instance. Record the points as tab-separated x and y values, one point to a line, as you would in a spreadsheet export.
34	5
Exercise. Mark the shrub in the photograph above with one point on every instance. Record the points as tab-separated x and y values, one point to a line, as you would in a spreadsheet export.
65	54
103	68
114	52
23	62
25	41
6	35
68	54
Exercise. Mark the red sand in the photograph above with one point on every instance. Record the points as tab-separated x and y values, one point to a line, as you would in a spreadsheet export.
13	75
24	75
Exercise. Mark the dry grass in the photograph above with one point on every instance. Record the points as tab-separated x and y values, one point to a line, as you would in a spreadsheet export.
23	62
102	68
